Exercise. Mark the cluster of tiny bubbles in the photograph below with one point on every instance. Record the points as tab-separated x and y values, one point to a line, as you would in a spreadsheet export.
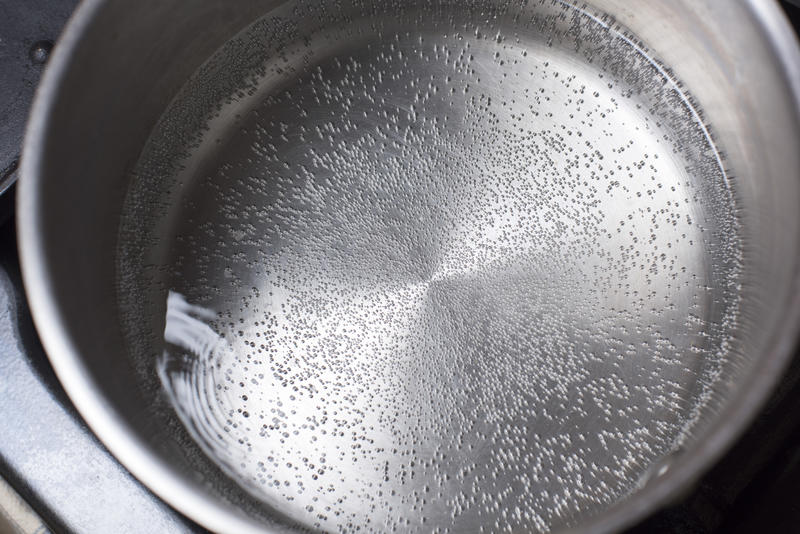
423	267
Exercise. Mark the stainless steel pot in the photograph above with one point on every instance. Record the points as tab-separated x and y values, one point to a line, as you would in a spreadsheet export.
442	266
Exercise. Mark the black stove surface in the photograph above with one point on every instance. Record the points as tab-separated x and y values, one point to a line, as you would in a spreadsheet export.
51	458
28	29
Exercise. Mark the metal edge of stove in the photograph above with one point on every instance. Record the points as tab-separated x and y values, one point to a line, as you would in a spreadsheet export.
51	458
16	516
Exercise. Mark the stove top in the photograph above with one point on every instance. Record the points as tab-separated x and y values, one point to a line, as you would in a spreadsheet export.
67	478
